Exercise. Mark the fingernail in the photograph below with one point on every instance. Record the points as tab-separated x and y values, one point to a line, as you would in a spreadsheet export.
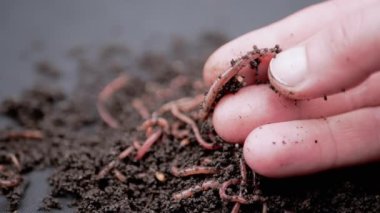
289	68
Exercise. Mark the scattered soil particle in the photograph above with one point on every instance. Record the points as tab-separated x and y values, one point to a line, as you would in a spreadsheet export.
273	88
47	69
49	203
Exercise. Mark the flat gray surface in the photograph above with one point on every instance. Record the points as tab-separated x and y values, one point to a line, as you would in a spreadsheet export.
47	29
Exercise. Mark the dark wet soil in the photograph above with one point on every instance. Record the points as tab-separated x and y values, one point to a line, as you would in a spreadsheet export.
77	144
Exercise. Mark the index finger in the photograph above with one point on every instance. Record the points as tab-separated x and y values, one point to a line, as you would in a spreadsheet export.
287	32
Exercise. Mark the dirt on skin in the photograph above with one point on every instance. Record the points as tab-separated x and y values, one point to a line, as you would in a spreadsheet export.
77	144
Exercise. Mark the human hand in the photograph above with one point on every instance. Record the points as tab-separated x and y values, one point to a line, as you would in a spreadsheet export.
330	65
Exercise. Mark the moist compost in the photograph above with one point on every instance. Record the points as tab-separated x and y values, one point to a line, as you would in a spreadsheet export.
65	132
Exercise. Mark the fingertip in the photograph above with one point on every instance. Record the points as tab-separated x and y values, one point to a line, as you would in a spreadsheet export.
288	70
226	121
276	150
325	63
258	156
269	155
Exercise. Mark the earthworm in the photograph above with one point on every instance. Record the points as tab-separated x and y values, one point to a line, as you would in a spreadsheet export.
265	208
10	183
236	198
22	134
198	85
210	184
194	170
254	178
226	76
148	143
222	79
140	107
243	172
236	208
149	131
161	122
115	85
15	161
177	132
136	144
232	198
119	175
106	169
178	82
4	171
184	104
175	111
172	88
125	153
206	161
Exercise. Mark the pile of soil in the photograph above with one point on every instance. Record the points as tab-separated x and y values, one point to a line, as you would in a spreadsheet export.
77	144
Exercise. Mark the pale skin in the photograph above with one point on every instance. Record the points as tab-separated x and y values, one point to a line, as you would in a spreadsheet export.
331	50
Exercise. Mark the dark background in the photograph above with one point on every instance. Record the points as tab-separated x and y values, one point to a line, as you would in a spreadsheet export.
31	31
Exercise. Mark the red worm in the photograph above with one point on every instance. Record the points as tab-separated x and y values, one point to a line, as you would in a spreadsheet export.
15	161
177	132
148	143
10	183
194	170
106	169
184	104
237	66
211	184
236	208
175	111
222	79
125	153
161	122
236	198
140	107
105	94
136	144
119	175
243	172
231	198
22	134
206	161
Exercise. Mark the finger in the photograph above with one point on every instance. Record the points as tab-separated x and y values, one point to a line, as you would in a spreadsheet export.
254	106
287	32
334	59
309	146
